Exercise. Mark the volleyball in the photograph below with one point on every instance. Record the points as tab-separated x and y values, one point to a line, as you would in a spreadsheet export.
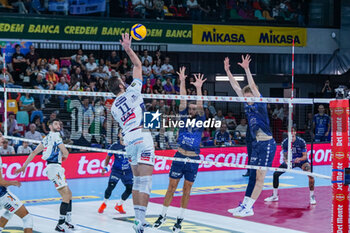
138	32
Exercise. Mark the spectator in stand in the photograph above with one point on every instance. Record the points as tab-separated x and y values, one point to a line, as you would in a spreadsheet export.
78	63
62	86
177	86
65	134
24	149
19	63
12	126
219	116
163	108
125	67
158	9
32	71
322	125
194	9
147	71
41	84
100	74
277	122
45	124
105	67
168	87
158	56
76	78
32	56
2	139
167	69
6	77
205	137
91	66
327	91
242	128
38	124
51	78
153	106
88	80
147	85
64	73
42	67
33	134
157	69
101	85
26	103
140	7
5	149
230	121
146	57
158	88
222	137
52	65
114	60
79	57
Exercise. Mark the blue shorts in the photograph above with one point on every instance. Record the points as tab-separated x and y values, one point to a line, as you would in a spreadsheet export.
179	169
294	165
263	153
124	175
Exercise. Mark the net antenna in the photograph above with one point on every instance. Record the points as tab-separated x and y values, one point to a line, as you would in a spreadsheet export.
290	117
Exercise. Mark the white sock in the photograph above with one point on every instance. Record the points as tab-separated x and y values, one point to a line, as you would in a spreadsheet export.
181	215
137	212
245	200
250	202
275	192
105	201
121	202
311	193
165	209
142	213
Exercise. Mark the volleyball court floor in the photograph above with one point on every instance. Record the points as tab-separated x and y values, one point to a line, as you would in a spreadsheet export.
213	193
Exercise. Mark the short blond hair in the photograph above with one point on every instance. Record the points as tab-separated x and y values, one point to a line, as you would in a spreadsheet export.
247	89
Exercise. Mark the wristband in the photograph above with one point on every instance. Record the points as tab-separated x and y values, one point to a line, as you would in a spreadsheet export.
106	169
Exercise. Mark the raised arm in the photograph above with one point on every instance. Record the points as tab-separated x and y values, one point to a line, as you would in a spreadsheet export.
37	150
233	81
245	65
198	84
126	43
182	78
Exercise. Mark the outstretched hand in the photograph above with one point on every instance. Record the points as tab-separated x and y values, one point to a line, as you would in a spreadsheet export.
22	169
181	74
245	61
199	80
126	40
227	64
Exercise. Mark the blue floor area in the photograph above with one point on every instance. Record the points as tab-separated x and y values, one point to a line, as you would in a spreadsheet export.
96	186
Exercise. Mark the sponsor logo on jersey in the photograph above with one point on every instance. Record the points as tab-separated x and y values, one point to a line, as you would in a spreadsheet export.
146	156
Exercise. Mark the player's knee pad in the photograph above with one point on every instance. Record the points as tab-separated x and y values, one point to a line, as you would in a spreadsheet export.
146	184
137	183
7	215
27	221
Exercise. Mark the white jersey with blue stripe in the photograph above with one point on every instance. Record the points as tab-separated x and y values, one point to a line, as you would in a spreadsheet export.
128	108
51	152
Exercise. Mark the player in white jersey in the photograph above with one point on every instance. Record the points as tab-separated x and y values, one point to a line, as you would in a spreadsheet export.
12	205
127	110
54	152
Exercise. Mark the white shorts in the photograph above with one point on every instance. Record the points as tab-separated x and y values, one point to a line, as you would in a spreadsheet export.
10	202
55	173
140	147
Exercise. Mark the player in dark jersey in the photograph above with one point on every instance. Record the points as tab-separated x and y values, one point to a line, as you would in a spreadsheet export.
121	170
322	125
263	146
189	141
299	160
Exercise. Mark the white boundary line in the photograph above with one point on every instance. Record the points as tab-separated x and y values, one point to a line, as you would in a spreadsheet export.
187	160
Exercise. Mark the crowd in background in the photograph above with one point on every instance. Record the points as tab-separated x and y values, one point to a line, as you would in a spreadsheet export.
218	10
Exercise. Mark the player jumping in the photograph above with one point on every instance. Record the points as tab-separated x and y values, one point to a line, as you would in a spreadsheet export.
189	141
12	205
54	152
299	160
263	146
127	110
121	170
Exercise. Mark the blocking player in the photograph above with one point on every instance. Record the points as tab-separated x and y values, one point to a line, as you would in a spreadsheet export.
121	170
189	141
54	152
127	110
299	160
263	146
12	205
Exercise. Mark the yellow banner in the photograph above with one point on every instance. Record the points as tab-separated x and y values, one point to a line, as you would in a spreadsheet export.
248	35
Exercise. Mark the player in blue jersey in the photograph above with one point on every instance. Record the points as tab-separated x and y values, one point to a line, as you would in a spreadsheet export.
299	160
54	152
263	145
12	205
121	170
189	141
322	125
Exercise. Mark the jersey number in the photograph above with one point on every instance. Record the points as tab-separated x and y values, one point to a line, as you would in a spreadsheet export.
124	108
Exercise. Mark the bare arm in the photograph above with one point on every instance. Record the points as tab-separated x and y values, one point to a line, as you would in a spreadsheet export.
7	183
233	81
37	150
182	77
245	65
126	43
64	150
104	170
198	84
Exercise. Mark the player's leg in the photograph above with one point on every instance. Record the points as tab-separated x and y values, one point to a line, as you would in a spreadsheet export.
66	195
249	151
27	219
306	167
127	180
112	182
276	176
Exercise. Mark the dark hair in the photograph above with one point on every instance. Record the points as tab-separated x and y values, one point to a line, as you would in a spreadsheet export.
114	85
17	45
53	120
11	113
